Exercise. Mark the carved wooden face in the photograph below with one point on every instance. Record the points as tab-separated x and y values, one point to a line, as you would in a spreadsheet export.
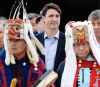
14	28
15	24
79	33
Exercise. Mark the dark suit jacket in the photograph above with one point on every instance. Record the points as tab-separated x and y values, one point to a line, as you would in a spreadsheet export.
60	52
60	72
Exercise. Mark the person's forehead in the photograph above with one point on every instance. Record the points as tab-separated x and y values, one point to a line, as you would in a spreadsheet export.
96	20
52	11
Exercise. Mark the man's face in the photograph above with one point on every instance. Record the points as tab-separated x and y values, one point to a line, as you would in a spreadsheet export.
17	46
1	39
2	22
40	25
52	19
96	26
34	25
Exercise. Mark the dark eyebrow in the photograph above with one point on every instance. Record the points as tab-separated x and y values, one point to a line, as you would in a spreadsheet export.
51	15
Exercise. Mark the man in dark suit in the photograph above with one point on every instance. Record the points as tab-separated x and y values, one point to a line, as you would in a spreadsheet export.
52	39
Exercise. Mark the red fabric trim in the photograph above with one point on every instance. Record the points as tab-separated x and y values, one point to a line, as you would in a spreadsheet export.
92	78
40	71
93	75
29	82
76	78
20	83
98	83
4	80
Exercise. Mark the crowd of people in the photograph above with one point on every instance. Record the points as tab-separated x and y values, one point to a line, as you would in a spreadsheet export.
35	45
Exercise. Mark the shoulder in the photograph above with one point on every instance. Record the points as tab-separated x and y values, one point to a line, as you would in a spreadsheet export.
62	33
62	38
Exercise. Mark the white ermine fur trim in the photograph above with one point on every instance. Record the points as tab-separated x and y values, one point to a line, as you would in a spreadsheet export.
70	61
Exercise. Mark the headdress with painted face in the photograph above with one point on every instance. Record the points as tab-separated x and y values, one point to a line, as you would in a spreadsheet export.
77	32
80	44
21	29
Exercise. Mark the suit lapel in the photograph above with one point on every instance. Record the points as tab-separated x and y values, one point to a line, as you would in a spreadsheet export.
58	49
58	46
42	38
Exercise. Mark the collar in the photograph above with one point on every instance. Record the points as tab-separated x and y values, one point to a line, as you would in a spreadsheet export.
55	36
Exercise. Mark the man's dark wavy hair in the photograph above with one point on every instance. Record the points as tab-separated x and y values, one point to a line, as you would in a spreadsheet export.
50	6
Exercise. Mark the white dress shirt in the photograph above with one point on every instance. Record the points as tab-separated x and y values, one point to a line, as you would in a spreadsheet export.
50	50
